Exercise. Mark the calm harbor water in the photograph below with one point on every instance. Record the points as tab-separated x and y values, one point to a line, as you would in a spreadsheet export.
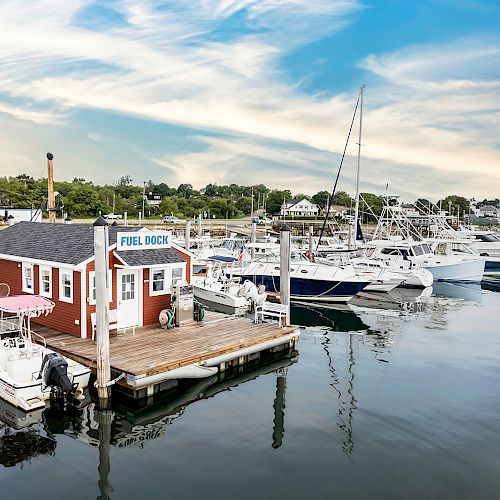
392	396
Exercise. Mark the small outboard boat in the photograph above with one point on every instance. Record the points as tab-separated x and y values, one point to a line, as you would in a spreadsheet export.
30	373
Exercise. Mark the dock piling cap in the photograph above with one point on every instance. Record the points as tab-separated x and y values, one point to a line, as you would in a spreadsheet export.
100	221
285	227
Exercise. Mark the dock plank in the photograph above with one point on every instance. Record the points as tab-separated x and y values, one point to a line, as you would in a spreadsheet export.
153	349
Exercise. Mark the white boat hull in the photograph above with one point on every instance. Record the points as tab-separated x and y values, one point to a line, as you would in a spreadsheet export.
222	298
30	395
467	270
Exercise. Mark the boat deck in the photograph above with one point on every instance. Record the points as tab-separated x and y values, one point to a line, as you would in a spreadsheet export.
152	349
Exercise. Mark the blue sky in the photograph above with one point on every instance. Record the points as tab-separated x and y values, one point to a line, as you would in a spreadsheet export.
251	91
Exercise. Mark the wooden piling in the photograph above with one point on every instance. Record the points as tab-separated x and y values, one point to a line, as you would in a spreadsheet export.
285	269
101	238
50	189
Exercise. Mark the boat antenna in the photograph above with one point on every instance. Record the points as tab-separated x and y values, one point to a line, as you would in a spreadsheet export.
330	199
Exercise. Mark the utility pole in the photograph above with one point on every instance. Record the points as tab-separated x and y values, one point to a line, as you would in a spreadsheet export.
51	198
251	214
101	240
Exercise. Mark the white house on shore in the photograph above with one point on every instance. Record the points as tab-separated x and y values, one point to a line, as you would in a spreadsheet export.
297	207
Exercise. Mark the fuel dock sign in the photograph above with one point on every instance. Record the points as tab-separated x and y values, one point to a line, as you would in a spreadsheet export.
143	240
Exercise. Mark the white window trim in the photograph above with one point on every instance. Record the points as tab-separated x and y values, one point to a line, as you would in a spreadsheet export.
91	286
42	292
62	298
167	281
182	267
24	288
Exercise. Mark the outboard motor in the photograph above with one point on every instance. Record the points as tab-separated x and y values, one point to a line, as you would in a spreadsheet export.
256	295
54	374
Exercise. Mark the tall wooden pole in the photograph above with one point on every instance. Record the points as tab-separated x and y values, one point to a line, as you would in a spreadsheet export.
50	193
101	239
200	227
285	269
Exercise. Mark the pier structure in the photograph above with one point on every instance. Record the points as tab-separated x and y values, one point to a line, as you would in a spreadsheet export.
153	359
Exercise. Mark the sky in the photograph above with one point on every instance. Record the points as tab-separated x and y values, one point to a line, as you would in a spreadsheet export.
249	91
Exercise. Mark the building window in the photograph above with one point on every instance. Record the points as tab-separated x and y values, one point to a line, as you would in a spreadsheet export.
92	293
157	282
28	285
46	281
177	275
66	285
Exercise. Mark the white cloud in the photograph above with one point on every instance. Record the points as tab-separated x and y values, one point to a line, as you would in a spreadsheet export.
433	105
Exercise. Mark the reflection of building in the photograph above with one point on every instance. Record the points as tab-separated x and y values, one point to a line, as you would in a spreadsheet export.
298	207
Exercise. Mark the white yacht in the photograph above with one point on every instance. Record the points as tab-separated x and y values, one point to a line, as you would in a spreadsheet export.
487	244
418	254
216	287
309	281
30	372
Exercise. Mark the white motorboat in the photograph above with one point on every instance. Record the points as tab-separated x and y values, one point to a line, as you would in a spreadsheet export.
487	244
216	287
382	277
444	267
30	372
309	281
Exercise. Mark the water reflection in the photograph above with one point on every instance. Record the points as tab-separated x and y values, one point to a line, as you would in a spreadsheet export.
26	436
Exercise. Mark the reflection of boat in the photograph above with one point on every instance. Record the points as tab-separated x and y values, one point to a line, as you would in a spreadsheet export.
399	299
338	317
491	284
150	418
470	292
20	441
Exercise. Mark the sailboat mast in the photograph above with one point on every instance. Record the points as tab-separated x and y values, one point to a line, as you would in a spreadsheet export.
356	210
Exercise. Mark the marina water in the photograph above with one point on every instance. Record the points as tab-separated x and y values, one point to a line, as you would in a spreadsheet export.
391	396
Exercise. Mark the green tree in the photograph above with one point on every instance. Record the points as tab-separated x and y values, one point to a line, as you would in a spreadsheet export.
455	202
375	203
168	206
275	199
83	201
244	204
321	199
342	198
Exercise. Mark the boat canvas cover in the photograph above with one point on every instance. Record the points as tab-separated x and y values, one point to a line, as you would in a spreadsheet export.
26	305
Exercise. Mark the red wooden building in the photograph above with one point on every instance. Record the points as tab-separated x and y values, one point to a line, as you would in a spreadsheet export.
57	261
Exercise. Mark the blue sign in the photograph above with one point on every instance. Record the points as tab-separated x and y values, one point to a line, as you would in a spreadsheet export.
143	240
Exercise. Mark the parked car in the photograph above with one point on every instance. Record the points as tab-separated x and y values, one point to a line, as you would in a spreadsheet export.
266	220
172	219
113	216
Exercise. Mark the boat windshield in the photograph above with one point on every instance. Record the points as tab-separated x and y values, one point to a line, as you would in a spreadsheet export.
489	238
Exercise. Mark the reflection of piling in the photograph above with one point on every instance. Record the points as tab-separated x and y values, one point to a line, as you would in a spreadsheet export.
104	418
285	269
101	238
254	238
279	410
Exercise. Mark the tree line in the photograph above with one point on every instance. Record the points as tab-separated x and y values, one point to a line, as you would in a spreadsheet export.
81	198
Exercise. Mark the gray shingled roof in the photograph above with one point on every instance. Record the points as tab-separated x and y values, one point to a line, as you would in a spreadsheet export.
64	243
152	257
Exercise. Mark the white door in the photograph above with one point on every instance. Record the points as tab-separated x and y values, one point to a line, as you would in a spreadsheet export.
128	298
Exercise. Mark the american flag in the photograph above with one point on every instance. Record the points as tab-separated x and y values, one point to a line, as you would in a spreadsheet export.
241	255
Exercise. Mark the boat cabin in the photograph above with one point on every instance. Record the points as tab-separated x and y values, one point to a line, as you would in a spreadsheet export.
56	261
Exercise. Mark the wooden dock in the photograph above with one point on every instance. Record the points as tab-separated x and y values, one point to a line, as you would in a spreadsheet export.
154	350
